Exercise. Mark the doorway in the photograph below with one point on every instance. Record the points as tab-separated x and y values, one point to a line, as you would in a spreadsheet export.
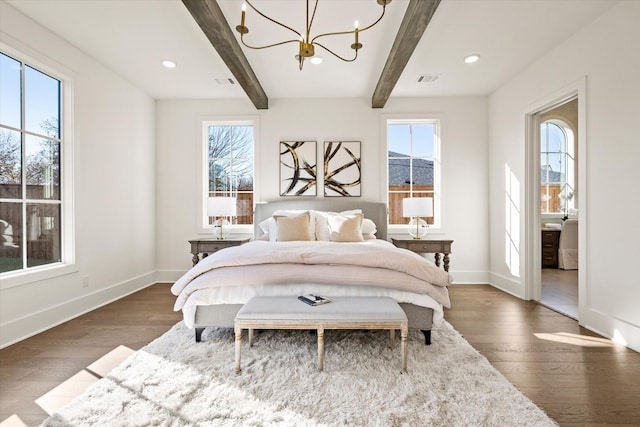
555	196
558	214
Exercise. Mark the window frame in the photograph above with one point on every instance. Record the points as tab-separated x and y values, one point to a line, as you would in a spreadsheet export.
438	120
67	265
570	164
203	226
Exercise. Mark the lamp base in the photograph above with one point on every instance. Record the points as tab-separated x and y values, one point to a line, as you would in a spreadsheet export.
417	228
221	229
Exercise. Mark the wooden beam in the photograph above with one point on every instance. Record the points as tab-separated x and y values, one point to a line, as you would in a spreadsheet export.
213	23
415	21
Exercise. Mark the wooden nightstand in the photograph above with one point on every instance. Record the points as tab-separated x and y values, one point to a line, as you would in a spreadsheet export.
209	245
550	240
427	246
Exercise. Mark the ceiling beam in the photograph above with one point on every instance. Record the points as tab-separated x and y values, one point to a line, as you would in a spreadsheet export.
415	21
213	23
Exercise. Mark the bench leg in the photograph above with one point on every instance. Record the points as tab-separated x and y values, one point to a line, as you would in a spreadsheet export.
403	336
238	332
320	348
199	332
251	337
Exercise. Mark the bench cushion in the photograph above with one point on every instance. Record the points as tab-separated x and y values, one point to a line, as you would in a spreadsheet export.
285	308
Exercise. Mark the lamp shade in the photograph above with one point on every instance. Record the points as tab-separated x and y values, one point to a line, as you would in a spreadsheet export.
221	206
417	206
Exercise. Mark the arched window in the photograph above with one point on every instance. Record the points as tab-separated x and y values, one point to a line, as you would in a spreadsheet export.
557	168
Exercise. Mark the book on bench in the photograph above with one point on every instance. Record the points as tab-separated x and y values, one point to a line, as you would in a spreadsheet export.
313	299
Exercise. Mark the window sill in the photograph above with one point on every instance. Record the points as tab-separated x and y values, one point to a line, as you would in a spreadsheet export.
13	279
233	229
403	230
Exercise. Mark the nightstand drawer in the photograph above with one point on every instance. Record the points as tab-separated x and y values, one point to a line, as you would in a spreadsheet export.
209	245
550	240
427	246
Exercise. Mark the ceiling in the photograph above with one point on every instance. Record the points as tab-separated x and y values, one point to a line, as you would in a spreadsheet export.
132	37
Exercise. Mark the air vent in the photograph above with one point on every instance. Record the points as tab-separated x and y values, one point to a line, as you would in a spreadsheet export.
225	81
428	78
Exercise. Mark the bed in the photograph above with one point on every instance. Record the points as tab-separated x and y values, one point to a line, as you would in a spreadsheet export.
212	292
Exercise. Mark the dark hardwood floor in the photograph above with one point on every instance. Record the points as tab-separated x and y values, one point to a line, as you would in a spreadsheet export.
577	377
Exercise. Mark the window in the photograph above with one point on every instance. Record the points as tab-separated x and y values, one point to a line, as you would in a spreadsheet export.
31	144
557	173
413	153
230	166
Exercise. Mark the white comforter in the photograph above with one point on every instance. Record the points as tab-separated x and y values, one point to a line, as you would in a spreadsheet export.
373	267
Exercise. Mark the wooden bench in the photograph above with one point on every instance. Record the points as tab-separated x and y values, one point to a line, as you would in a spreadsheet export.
285	312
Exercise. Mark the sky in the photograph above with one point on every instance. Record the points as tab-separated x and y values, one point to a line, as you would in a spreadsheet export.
42	96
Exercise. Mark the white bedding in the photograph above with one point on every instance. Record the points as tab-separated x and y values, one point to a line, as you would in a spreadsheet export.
370	268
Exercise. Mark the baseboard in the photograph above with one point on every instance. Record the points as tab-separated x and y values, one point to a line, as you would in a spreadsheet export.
618	330
35	323
470	277
507	285
169	276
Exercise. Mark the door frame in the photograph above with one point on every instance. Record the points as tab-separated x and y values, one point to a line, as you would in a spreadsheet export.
533	285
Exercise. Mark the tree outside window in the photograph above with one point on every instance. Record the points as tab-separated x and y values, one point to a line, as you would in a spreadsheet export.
30	148
230	165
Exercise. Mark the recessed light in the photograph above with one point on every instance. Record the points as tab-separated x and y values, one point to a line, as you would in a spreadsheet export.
471	59
169	64
316	60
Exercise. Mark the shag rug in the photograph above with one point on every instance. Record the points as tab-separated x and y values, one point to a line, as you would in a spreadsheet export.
175	381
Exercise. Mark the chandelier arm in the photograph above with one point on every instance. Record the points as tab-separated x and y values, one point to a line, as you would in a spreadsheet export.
352	31
270	45
310	23
336	55
272	20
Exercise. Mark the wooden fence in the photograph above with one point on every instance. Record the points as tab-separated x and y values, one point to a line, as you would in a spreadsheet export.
399	192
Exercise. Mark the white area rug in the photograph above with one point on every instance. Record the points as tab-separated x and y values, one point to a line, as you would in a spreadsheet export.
176	382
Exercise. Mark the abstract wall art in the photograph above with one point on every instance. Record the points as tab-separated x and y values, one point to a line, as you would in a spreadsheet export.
298	168
342	168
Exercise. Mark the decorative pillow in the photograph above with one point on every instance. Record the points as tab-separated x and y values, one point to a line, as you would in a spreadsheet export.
292	228
322	230
345	228
270	228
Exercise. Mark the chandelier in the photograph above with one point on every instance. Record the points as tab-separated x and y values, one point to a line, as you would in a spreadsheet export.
305	42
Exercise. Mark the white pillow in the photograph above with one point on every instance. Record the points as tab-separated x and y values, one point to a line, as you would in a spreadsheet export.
368	227
293	228
345	228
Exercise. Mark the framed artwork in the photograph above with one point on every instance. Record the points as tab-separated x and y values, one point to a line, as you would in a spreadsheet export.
298	169
342	168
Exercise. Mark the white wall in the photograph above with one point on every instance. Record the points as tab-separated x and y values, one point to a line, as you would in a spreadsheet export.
464	166
114	172
606	53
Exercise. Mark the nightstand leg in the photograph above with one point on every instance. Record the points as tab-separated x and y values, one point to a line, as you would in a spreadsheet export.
446	262
195	259
437	258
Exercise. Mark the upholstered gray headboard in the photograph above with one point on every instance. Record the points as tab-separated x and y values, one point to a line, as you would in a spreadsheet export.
375	211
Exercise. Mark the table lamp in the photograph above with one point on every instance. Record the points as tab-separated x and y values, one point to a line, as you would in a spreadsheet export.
414	208
220	208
